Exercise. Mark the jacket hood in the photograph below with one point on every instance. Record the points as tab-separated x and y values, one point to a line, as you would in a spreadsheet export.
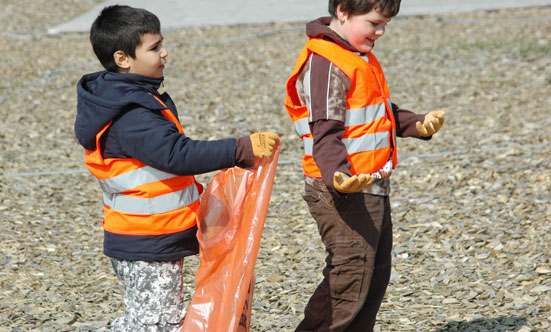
319	28
102	96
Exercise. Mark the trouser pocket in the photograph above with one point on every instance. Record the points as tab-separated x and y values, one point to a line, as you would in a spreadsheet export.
347	271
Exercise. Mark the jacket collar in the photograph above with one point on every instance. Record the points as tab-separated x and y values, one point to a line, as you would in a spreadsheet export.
319	28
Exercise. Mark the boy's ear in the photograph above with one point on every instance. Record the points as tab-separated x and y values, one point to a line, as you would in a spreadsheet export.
341	16
121	60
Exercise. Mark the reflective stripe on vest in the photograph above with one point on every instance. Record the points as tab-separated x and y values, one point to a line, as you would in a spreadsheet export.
369	135
353	117
154	205
364	143
132	179
141	200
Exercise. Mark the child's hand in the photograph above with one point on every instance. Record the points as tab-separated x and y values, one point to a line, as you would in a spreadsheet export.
263	143
432	124
351	184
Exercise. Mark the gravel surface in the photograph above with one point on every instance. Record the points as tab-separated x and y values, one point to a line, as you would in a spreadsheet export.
471	208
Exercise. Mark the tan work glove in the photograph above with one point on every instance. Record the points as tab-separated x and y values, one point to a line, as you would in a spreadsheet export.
263	143
351	184
432	124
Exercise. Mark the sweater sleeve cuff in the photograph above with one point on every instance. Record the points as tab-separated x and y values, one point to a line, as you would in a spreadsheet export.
406	122
244	156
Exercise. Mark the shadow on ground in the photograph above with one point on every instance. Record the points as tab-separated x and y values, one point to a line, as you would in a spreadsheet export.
500	324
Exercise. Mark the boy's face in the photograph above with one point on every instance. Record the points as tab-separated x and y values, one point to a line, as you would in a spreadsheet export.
150	57
361	31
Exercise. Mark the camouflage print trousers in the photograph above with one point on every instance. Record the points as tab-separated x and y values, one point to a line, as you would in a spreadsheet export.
153	296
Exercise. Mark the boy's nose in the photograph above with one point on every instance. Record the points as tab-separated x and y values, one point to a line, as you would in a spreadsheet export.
164	53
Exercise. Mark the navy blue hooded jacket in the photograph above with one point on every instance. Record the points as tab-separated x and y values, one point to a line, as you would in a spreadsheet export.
139	130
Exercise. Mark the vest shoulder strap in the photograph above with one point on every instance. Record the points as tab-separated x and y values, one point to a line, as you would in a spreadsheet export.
349	62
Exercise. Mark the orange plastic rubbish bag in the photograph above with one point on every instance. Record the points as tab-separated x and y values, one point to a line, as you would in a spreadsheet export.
230	221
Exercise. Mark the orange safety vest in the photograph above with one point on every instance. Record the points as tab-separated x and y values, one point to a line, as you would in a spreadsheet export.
370	128
141	200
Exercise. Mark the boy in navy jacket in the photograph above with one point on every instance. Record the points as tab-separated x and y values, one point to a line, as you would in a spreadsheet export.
137	149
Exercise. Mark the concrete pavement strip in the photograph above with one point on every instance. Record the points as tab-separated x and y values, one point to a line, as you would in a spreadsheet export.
176	14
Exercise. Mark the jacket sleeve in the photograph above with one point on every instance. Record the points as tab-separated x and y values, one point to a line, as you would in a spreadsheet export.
150	137
405	122
329	151
327	98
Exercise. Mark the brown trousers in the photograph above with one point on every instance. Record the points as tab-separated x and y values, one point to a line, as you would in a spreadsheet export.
356	230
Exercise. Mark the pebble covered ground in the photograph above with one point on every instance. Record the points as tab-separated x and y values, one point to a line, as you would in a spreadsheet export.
471	207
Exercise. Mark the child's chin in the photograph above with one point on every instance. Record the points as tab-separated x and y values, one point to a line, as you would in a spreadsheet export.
366	48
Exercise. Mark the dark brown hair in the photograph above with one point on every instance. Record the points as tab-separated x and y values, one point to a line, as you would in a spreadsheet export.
388	8
120	28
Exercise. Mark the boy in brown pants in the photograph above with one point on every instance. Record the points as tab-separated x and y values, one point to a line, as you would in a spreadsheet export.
340	105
